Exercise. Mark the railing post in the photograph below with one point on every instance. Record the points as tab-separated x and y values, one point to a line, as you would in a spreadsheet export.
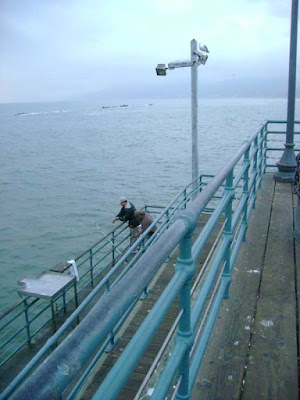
91	267
113	247
27	322
226	275
185	332
76	300
200	183
246	191
254	171
113	340
167	217
53	315
146	291
265	137
167	224
64	301
260	157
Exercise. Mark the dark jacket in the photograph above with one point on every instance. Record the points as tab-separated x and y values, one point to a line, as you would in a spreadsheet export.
145	220
127	214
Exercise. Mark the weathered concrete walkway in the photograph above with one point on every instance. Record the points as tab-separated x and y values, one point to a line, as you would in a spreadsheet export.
254	350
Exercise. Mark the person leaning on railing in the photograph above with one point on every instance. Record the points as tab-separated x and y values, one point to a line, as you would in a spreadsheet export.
127	214
145	220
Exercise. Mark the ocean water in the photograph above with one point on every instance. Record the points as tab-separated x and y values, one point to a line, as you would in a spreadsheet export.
65	166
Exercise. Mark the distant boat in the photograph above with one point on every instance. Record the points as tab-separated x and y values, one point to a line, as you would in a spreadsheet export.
122	105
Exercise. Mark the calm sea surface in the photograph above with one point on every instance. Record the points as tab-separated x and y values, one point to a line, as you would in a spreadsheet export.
65	166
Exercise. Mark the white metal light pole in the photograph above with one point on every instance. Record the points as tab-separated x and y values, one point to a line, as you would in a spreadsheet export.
198	57
194	104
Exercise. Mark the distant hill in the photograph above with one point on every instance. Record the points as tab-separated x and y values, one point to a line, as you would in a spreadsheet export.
269	88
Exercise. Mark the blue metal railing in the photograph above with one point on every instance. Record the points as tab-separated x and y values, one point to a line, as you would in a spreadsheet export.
22	322
275	130
36	312
241	182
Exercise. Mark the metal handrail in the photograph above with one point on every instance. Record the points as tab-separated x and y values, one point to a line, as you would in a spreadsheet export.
123	259
177	231
119	298
15	318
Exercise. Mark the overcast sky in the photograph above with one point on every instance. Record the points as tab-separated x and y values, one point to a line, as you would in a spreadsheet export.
68	49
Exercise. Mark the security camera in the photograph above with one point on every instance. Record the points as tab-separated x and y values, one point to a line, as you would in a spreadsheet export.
203	58
161	70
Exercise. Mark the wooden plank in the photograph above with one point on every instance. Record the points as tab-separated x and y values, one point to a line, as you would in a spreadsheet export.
126	395
272	370
154	346
133	382
222	370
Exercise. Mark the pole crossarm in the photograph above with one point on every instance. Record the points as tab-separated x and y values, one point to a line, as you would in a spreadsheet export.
179	64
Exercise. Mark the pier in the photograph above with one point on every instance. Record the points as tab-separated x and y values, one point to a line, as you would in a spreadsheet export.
253	352
207	309
205	304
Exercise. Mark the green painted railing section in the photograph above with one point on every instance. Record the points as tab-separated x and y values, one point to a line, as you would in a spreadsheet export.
240	182
102	262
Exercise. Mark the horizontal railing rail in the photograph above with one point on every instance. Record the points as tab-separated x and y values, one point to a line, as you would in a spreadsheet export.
17	324
239	182
275	136
34	314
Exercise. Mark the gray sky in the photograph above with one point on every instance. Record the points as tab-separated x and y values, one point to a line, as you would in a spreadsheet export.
69	49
